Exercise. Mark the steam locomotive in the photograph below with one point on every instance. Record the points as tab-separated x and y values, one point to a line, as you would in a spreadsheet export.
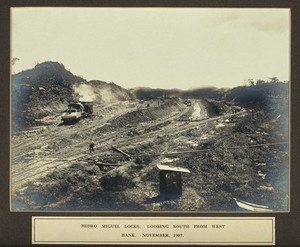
76	111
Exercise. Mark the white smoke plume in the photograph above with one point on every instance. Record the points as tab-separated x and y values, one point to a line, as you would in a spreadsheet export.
101	93
107	96
85	92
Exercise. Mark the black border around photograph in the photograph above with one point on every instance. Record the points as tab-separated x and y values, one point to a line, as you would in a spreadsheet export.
16	227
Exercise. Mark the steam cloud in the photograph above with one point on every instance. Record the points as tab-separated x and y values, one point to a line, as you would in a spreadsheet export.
89	93
86	92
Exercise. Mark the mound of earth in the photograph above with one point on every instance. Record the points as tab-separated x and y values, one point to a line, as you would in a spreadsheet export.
48	88
39	92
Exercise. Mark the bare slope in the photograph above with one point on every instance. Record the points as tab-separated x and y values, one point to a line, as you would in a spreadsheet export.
48	88
234	142
62	175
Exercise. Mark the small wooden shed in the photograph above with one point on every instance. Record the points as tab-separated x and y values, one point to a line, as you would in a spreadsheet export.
170	180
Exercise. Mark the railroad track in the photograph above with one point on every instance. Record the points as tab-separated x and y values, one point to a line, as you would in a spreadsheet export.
54	134
35	169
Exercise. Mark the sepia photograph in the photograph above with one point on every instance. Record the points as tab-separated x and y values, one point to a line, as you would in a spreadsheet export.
150	109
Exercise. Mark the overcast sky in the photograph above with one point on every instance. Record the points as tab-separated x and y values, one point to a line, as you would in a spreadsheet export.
156	47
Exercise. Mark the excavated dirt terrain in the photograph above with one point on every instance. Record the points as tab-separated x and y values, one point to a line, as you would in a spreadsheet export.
221	144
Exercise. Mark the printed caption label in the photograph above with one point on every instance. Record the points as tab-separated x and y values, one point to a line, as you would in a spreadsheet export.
154	230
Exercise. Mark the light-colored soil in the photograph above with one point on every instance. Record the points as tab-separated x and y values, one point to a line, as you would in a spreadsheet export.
52	168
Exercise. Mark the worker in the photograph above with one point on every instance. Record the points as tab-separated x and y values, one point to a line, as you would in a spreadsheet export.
92	144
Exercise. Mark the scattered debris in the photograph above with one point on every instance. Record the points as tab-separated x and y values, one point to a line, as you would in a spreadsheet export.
120	151
109	180
101	165
169	160
220	125
267	188
252	206
261	174
261	164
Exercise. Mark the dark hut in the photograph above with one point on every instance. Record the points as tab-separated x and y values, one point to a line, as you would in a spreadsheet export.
170	180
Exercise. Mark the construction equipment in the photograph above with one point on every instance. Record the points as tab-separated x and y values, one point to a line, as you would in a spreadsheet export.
188	102
76	111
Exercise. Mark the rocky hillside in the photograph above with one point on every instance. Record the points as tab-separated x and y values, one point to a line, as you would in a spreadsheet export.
36	92
48	88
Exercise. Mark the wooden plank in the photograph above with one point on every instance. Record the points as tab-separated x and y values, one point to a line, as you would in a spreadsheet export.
120	151
107	164
172	168
251	206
